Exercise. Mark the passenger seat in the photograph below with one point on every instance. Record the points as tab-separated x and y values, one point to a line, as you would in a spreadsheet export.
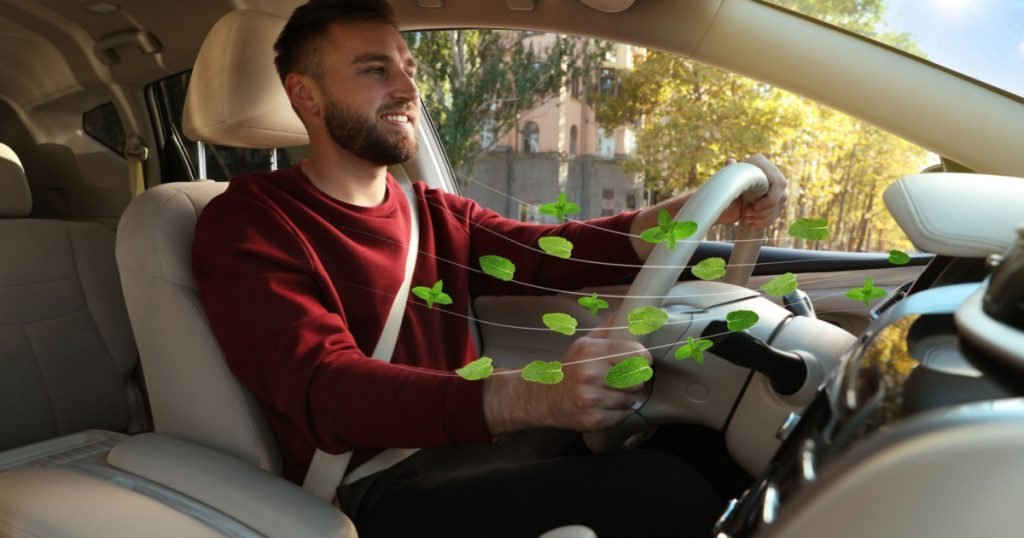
67	353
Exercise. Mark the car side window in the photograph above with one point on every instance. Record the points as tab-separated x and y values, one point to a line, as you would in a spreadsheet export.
526	116
104	125
221	162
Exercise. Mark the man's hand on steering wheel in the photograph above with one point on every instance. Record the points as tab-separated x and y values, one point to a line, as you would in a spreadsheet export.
767	208
760	214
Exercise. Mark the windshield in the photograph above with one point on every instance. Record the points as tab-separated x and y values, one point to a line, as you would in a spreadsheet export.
982	39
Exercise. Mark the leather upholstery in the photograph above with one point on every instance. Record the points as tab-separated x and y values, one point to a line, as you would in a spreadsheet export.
66	348
192	392
15	197
960	215
235	97
270	505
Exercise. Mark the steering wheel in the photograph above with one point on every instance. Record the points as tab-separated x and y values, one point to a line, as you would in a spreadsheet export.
663	268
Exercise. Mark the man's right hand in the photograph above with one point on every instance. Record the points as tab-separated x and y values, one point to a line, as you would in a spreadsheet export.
581	402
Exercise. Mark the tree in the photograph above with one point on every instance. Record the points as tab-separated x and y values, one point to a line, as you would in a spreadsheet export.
480	81
690	118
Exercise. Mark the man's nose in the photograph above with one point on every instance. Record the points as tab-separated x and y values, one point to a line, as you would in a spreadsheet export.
405	88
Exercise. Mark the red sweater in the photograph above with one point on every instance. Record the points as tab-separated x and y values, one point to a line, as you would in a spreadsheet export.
297	286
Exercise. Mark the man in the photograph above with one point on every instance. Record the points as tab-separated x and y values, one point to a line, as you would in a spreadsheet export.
298	268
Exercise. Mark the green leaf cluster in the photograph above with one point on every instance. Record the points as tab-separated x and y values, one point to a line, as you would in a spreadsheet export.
668	231
592	303
866	293
694	348
560	208
433	294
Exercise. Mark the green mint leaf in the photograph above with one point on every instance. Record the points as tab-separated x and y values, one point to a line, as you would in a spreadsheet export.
556	246
684	229
481	368
898	257
545	373
560	323
809	229
592	303
646	319
442	298
630	372
710	269
571	208
738	320
498	267
780	285
653	235
438	286
562	199
867	293
664	220
424	293
694	349
549	209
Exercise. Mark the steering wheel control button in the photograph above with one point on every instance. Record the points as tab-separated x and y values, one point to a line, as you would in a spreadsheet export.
807	461
787	426
697	392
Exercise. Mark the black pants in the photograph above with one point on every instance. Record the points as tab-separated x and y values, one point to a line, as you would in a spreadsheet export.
528	485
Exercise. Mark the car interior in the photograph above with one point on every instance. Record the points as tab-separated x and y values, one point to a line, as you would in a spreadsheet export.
121	418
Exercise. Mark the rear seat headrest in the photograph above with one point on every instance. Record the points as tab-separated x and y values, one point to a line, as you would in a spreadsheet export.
235	97
15	196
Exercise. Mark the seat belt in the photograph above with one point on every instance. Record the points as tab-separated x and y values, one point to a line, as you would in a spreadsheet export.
136	153
328	471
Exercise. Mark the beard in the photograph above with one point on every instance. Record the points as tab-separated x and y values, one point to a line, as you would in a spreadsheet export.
363	137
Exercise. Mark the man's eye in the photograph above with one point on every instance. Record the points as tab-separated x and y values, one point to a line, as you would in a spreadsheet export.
376	70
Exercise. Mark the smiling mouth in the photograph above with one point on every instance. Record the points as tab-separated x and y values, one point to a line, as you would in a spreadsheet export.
396	118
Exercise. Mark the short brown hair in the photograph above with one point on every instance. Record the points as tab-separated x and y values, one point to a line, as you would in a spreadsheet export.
296	48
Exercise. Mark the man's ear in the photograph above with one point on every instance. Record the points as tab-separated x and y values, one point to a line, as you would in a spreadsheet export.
304	94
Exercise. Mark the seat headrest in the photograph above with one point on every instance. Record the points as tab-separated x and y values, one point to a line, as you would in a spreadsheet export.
958	215
15	196
235	97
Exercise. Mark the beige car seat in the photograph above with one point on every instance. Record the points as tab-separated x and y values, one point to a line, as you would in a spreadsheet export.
67	355
193	395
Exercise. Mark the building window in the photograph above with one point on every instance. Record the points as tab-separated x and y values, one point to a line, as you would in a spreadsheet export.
607	202
531	138
630	201
606	143
573	140
609	84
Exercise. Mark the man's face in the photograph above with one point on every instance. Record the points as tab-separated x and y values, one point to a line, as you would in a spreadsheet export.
371	105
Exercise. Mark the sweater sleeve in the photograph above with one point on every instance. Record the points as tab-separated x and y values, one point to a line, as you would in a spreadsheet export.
264	300
602	253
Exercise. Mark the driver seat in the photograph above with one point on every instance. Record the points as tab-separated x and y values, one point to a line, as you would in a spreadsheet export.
234	99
